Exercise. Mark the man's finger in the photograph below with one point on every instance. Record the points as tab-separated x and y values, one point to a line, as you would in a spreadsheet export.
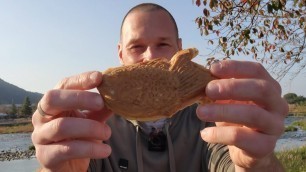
70	128
101	115
242	69
57	101
57	153
238	69
84	81
260	92
248	115
251	142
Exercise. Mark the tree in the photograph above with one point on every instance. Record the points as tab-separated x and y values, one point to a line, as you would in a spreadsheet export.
13	111
300	100
290	97
26	107
272	31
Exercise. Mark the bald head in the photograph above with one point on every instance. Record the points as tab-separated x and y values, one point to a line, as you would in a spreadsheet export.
149	7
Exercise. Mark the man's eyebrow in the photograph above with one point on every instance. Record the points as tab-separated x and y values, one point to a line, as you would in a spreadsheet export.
133	41
136	40
164	38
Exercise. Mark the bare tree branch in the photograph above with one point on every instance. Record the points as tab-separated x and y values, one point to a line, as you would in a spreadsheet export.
273	32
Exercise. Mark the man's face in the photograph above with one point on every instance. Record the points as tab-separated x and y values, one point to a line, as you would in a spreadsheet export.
147	35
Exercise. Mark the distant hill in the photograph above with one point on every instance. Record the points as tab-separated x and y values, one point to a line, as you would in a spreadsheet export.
10	93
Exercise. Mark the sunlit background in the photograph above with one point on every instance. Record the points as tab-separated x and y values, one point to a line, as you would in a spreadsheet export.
43	41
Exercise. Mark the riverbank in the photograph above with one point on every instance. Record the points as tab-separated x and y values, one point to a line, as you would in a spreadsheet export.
16	146
17	153
19	125
10	155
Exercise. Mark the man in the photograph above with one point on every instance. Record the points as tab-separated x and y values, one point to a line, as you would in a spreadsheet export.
248	112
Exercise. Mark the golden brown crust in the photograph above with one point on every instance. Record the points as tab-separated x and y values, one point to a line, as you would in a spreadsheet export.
155	89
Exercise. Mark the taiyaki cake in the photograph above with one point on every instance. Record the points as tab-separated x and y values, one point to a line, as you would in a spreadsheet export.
155	89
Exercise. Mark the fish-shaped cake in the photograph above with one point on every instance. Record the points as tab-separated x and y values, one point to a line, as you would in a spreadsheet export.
155	89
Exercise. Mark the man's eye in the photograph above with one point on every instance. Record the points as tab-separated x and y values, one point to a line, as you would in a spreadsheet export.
136	47
163	44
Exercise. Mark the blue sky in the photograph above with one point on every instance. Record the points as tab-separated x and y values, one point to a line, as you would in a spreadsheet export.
43	41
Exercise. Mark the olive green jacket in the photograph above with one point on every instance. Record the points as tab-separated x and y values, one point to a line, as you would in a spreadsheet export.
185	152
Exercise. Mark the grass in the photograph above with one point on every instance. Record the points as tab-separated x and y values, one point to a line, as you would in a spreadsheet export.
293	160
295	125
291	128
300	123
18	128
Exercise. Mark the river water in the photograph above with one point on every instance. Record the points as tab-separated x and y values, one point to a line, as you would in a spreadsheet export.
17	142
290	140
22	141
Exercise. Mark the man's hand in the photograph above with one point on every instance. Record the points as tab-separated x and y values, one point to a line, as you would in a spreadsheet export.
249	113
73	128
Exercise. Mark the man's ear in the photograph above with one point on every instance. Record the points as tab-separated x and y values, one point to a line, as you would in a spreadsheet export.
179	43
120	52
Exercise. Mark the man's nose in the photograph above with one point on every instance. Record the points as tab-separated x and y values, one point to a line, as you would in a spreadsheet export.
150	54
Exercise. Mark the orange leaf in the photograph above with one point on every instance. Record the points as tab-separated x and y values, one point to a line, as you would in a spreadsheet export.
198	2
218	33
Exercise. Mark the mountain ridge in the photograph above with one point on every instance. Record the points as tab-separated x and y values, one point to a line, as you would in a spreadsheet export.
12	94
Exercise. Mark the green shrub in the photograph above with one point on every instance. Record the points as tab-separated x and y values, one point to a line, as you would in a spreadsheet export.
31	147
291	128
300	123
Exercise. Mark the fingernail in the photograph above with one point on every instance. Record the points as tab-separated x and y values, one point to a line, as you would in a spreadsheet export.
212	89
99	102
203	133
93	76
108	131
216	66
204	109
202	112
108	150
